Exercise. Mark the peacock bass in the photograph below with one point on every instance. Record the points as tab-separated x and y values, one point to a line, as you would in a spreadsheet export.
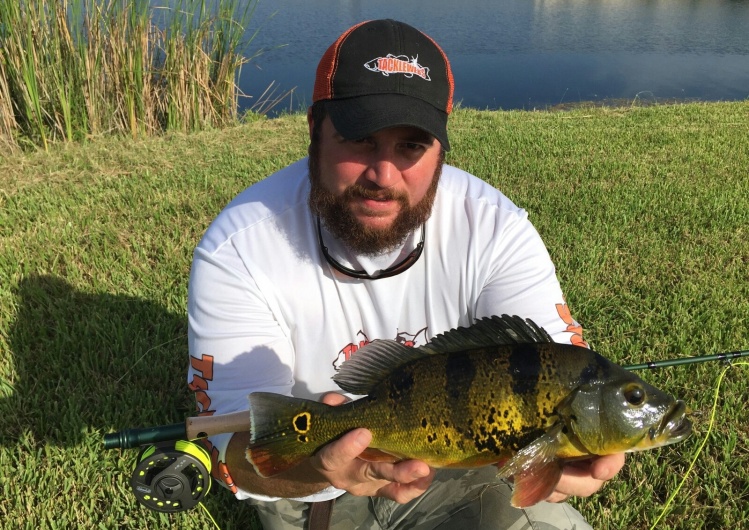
500	391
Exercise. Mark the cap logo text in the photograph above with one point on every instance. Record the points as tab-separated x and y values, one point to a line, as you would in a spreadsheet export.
400	64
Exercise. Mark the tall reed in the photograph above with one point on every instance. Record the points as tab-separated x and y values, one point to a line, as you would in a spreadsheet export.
70	69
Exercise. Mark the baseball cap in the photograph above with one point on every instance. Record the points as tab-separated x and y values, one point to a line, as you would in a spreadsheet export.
385	73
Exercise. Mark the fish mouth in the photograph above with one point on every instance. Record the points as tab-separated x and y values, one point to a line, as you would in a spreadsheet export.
674	427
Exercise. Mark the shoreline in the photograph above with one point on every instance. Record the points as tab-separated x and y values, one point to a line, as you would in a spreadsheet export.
636	102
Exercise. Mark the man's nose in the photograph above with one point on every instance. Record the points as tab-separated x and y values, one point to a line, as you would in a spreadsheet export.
382	170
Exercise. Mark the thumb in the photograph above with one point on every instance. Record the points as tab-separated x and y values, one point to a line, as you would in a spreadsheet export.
340	453
605	467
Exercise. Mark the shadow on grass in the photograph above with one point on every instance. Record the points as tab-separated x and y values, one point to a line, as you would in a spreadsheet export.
91	362
88	364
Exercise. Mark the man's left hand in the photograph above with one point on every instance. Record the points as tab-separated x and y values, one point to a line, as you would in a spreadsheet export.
583	478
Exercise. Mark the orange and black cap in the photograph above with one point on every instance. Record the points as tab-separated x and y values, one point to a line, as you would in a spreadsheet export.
384	73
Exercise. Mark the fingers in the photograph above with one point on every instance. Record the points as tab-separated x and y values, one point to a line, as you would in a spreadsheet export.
334	399
579	486
340	454
558	497
585	477
606	467
406	492
405	472
338	462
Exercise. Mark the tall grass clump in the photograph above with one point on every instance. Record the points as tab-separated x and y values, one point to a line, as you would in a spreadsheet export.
71	69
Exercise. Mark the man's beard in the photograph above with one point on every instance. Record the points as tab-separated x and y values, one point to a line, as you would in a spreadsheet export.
335	211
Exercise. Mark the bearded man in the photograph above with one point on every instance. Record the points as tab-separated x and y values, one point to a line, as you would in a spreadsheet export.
371	237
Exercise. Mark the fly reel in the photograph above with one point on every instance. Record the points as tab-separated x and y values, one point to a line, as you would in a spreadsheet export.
171	477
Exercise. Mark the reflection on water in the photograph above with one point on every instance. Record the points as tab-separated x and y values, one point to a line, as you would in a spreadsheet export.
526	54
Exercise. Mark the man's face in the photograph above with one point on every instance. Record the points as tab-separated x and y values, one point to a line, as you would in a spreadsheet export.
374	191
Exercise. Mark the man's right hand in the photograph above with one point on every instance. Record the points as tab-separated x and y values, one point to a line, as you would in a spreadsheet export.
340	464
337	464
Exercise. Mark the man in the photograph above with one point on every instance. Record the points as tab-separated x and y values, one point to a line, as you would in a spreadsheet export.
371	237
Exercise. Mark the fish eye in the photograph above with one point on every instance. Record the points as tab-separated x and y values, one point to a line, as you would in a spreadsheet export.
634	394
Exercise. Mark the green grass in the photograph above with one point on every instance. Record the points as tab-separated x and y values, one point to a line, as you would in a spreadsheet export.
645	212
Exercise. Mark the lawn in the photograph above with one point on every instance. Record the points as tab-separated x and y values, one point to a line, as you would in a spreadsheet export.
645	212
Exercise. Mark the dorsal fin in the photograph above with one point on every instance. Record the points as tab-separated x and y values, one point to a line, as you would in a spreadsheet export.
378	359
372	363
488	331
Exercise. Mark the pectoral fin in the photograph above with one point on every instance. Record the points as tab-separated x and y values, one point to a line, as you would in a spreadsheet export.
535	469
536	484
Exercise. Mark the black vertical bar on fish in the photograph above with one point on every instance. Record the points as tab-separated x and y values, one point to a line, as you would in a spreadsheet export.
652	365
463	371
525	365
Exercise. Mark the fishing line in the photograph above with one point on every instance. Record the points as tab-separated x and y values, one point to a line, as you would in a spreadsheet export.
139	359
697	453
209	515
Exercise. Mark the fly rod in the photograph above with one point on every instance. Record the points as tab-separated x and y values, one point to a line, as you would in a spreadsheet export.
652	365
202	426
190	429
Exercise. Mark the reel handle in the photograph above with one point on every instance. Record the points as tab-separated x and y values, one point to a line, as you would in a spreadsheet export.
192	428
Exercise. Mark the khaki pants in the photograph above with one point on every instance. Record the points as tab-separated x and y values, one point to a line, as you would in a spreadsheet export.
458	499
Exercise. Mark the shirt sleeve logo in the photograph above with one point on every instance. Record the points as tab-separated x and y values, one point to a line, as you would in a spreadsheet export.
400	64
572	326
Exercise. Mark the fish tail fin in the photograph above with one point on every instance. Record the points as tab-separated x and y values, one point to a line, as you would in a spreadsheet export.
284	431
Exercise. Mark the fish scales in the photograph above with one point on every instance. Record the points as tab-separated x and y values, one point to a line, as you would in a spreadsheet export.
474	396
441	419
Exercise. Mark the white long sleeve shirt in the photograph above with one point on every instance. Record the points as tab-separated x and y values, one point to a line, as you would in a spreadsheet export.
268	313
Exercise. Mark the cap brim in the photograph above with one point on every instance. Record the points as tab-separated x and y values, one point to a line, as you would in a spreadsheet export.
361	116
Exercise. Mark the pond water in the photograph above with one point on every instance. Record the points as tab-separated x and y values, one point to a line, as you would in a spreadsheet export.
524	54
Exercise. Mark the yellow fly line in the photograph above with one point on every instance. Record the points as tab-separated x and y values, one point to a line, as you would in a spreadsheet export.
698	452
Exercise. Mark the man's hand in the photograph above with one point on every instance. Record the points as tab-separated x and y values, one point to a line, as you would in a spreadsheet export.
583	478
340	464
